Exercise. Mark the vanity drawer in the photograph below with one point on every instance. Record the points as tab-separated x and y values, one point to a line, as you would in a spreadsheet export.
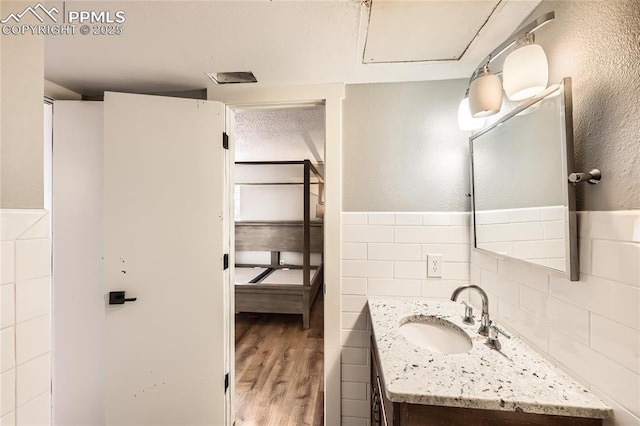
430	415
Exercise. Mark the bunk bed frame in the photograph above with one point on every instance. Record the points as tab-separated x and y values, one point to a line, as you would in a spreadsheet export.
271	290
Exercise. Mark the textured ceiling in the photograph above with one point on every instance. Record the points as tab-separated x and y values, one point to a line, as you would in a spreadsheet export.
169	45
280	135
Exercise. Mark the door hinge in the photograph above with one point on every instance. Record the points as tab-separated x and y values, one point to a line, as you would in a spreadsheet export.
225	262
226	382
225	140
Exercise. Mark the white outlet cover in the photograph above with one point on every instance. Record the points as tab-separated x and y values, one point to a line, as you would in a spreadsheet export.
434	266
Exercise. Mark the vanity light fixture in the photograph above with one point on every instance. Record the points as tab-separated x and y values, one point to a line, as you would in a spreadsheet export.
485	94
466	122
525	72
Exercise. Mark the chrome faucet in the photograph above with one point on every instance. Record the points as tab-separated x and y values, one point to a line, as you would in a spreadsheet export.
485	322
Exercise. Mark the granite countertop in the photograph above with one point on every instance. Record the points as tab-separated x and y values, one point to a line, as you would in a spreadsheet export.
516	378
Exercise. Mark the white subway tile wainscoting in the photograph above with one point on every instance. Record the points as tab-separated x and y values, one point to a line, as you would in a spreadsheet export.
590	328
25	323
385	254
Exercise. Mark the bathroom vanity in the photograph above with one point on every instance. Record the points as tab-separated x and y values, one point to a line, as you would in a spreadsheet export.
412	385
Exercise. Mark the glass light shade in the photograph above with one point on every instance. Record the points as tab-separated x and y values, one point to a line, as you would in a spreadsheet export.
485	95
465	121
525	72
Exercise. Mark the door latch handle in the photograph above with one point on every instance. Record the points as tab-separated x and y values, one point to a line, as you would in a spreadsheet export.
118	298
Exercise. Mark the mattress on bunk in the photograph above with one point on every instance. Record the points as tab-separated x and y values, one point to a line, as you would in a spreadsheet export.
245	275
288	276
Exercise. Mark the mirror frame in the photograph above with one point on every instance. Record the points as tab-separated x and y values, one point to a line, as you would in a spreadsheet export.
569	193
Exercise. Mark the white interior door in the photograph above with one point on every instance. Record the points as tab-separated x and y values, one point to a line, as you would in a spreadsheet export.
164	183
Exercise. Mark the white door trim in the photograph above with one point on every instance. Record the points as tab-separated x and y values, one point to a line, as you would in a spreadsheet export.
332	95
78	314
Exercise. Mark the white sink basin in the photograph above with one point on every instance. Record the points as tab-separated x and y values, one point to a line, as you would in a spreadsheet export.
435	334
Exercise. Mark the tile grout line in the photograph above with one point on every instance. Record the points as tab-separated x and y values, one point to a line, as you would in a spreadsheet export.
32	318
45	212
15	332
28	401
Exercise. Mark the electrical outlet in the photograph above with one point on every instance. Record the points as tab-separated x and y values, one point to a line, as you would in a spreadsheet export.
434	265
281	262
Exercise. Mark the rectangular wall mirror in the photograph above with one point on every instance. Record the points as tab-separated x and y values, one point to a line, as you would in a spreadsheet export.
523	203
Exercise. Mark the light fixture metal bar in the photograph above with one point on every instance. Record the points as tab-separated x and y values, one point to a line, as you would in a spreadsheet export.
529	28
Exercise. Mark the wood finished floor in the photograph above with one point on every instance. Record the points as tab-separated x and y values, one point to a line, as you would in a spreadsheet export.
279	369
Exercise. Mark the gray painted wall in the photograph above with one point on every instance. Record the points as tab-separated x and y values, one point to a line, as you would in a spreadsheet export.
597	43
403	152
402	149
21	118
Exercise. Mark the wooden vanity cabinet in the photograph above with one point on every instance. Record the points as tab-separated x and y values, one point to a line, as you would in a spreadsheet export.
382	410
387	413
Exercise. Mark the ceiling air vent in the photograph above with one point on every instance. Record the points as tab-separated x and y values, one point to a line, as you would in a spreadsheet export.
232	77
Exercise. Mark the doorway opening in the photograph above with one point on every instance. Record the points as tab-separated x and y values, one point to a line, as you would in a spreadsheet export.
277	298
